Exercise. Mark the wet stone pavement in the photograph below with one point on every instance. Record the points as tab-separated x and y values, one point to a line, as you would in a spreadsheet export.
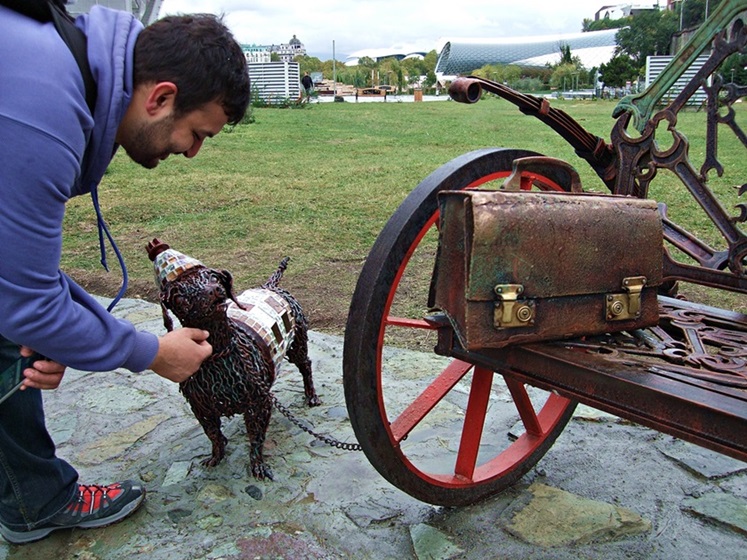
607	489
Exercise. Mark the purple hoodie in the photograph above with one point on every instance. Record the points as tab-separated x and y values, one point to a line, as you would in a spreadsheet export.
45	128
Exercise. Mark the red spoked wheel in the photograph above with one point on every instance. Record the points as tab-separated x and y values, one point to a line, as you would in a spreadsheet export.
440	429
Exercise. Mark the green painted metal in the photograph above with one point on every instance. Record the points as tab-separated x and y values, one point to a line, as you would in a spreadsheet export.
641	105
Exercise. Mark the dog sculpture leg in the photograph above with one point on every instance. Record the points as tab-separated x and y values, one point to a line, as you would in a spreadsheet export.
298	354
256	422
210	423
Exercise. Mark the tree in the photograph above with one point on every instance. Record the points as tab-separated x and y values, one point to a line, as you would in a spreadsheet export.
565	53
411	67
308	63
565	76
371	67
649	33
602	24
430	79
430	60
733	69
391	72
367	62
354	76
618	71
693	11
414	68
329	67
591	77
509	74
569	72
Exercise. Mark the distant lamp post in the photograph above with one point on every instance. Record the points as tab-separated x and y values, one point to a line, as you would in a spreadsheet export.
334	70
682	9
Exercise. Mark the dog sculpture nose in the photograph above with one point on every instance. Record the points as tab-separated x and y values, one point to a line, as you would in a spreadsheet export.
214	290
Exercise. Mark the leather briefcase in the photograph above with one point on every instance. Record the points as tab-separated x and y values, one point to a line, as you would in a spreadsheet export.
516	267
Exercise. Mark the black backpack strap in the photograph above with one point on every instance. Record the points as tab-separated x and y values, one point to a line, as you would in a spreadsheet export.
74	38
40	10
76	41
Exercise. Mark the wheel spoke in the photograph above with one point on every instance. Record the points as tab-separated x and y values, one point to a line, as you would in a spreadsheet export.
474	421
524	406
391	321
487	179
430	397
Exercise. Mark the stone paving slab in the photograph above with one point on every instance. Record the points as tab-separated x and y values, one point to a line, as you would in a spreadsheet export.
327	504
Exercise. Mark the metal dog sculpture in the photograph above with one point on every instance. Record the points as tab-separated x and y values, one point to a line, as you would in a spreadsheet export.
250	333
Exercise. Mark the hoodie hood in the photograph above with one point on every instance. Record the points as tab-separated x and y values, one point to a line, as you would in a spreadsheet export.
111	45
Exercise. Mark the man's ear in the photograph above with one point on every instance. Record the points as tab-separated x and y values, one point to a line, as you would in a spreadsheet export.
161	98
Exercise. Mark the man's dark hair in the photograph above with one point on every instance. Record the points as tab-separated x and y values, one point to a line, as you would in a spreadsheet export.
199	54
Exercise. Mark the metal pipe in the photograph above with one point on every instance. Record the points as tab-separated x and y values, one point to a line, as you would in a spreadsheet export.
465	90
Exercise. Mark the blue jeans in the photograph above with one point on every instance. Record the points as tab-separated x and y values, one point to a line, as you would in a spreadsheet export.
34	483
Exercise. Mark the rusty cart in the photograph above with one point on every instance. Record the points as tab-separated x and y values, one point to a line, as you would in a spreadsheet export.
475	421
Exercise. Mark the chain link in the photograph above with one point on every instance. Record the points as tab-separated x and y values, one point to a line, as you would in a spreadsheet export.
296	422
326	439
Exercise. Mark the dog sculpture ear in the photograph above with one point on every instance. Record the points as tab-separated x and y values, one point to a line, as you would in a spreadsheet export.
167	320
227	280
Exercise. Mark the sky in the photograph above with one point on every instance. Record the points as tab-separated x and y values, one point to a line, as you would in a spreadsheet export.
354	25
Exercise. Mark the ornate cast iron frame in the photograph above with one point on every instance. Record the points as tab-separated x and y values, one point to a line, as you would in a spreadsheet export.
688	376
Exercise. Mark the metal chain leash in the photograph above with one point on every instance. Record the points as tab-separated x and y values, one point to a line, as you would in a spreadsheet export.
326	439
296	422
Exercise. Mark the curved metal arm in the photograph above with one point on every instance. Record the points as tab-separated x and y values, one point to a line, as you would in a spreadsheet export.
588	146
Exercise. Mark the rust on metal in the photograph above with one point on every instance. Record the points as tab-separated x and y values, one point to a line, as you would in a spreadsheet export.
522	266
686	376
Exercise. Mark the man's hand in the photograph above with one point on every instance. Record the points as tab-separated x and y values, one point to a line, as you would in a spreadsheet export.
44	374
180	353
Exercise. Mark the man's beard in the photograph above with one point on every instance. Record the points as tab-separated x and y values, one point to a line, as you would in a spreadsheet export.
149	144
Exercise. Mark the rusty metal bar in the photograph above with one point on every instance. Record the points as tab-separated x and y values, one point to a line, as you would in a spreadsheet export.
588	146
686	378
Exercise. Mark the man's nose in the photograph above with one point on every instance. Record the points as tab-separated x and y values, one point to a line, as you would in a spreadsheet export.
193	149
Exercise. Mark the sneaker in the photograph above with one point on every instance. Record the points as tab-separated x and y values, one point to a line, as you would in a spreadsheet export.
94	506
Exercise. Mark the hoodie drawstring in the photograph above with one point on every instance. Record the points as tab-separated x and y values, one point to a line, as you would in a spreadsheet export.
104	230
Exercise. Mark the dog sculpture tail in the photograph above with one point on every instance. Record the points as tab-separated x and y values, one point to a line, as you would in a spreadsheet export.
274	280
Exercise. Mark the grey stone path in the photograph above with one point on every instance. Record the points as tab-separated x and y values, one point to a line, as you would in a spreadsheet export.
607	489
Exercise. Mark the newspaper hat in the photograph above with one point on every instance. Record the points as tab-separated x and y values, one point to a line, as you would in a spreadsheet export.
168	263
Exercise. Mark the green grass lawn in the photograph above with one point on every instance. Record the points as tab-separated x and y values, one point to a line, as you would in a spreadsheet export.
316	184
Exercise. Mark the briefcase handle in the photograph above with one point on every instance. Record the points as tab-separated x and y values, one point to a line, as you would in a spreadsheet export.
543	167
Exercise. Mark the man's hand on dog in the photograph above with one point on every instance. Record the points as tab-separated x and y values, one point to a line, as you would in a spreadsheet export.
180	353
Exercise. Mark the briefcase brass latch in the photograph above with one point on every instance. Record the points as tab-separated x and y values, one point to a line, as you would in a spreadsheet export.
624	306
509	311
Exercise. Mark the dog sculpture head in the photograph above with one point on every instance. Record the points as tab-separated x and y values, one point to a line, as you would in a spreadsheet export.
199	296
195	294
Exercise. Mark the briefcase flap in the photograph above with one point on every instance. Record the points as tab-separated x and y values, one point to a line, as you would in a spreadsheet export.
498	246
